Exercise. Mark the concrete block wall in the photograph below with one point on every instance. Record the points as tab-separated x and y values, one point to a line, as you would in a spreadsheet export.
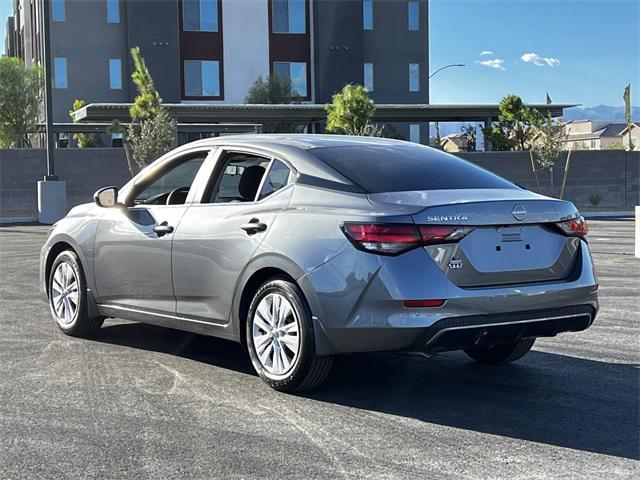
83	170
612	175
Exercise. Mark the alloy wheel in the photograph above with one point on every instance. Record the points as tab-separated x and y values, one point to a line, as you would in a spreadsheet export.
64	293
276	334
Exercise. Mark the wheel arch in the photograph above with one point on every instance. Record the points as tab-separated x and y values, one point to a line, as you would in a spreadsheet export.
55	250
258	272
58	246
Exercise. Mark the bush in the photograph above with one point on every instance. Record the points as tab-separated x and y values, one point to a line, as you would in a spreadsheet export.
350	111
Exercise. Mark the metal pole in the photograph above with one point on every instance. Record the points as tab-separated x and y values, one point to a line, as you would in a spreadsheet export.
48	101
428	94
447	66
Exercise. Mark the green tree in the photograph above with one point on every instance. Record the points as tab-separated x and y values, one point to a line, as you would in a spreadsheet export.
152	131
516	126
549	143
350	112
83	140
270	90
148	101
469	136
273	90
153	138
20	101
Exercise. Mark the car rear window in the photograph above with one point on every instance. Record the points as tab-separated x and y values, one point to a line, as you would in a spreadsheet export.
403	168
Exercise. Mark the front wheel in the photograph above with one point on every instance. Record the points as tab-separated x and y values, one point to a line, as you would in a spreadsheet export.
502	353
68	297
280	339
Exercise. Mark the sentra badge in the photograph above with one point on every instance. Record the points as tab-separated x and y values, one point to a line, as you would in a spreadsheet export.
447	218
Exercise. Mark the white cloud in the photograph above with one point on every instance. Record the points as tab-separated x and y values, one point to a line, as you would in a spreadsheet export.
538	60
486	52
496	63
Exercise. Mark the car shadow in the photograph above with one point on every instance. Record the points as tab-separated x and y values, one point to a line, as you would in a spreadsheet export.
545	397
200	348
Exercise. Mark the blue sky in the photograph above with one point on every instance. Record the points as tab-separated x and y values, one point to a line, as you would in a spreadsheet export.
596	42
6	9
588	50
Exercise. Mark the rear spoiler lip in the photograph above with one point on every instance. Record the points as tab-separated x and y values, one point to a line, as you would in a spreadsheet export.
434	198
497	212
475	207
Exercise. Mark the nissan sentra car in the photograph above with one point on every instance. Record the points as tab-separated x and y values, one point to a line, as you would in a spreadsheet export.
304	247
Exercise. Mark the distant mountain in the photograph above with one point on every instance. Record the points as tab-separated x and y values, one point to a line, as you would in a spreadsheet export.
601	113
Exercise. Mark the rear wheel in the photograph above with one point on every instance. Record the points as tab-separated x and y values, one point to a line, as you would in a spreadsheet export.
280	339
68	297
503	353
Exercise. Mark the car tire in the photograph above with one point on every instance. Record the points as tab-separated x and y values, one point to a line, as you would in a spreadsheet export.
277	315
68	297
502	353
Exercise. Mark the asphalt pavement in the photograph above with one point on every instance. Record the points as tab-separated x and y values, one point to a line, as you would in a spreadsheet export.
140	401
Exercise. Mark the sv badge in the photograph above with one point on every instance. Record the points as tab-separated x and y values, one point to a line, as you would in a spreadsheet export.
455	264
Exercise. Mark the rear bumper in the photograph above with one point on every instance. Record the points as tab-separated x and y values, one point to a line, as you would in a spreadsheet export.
456	333
480	330
363	311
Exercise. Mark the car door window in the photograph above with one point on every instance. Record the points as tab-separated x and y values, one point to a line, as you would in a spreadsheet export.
240	178
172	186
277	178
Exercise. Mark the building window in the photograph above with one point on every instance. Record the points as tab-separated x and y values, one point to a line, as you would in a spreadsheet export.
60	72
200	15
289	16
414	77
367	14
63	140
414	16
296	72
57	10
115	73
368	76
414	133
113	11
202	78
117	140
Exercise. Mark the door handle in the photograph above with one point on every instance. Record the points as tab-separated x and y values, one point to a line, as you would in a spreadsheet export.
254	226
163	229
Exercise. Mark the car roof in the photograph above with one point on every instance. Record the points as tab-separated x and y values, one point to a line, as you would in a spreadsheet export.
300	141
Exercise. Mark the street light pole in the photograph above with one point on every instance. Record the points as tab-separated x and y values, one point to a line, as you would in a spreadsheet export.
429	91
48	110
447	66
52	193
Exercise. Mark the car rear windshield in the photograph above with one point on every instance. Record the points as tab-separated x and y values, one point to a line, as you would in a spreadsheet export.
403	168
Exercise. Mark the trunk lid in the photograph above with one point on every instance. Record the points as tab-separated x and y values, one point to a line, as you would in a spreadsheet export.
513	239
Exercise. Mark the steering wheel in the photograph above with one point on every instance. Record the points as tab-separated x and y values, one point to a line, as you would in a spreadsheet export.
174	196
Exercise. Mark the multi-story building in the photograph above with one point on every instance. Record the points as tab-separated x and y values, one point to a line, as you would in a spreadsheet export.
212	51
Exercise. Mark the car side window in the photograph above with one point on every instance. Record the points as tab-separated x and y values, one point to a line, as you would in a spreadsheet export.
172	186
239	178
277	178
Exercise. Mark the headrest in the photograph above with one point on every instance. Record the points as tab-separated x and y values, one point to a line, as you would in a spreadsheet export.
250	181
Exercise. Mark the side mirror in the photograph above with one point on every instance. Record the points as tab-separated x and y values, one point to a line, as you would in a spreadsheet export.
106	197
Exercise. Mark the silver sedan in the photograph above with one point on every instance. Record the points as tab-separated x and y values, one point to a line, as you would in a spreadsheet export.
304	247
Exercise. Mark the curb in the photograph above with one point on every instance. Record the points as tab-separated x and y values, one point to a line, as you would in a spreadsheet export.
589	215
4	221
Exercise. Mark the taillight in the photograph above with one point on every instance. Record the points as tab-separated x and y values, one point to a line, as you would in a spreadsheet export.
435	234
576	227
384	238
395	238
